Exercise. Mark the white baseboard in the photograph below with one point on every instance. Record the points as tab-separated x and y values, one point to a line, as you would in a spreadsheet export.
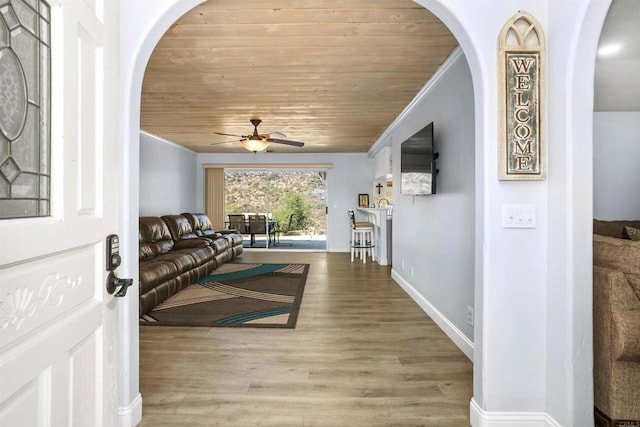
130	416
478	416
481	418
460	339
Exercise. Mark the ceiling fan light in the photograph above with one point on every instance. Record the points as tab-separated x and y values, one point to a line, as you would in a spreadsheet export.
255	145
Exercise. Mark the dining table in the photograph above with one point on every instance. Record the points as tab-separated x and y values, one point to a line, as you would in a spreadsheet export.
271	226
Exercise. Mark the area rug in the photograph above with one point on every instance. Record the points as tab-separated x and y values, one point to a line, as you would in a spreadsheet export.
237	295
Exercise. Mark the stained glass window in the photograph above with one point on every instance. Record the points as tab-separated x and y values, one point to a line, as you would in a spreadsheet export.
25	92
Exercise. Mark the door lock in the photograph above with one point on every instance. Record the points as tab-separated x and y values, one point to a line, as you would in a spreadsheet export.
112	262
113	252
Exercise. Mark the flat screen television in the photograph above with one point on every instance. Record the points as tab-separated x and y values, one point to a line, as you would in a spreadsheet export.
418	164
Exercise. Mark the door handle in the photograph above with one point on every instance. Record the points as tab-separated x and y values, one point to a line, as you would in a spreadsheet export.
113	283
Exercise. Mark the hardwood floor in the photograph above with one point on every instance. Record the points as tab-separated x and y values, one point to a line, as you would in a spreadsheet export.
362	354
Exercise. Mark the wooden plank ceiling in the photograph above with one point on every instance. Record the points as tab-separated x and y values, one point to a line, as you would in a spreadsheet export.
333	74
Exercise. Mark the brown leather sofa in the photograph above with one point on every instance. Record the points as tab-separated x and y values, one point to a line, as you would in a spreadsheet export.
616	324
181	229
172	256
201	225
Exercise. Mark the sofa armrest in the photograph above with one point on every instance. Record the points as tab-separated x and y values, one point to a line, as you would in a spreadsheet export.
210	234
192	243
626	335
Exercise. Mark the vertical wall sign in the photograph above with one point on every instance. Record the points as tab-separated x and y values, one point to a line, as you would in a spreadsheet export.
522	99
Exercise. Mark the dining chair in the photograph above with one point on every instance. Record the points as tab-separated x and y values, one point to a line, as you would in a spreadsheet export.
237	222
257	225
278	231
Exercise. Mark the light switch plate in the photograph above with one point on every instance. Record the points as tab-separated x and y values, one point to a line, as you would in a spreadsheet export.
518	216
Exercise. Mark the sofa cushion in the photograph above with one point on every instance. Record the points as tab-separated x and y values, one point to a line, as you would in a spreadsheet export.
152	273
220	245
195	243
613	228
153	231
203	254
200	223
618	254
632	233
179	227
182	259
145	251
234	239
626	337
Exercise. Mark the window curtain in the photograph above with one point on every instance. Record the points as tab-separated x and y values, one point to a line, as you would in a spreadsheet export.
214	197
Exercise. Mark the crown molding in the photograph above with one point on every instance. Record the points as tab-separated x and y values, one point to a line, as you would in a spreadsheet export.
385	138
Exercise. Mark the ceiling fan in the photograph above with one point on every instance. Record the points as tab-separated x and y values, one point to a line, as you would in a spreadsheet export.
259	142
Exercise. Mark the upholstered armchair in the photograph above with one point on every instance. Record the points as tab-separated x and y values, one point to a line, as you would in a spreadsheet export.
616	330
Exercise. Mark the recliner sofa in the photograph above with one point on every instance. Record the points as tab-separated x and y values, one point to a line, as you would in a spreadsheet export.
172	256
202	227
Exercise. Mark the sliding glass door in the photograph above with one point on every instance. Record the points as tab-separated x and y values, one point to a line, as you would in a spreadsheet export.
293	201
245	192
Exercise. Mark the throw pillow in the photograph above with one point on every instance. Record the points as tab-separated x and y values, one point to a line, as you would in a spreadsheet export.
632	233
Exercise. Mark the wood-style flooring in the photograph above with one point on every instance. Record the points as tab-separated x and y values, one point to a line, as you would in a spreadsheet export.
363	354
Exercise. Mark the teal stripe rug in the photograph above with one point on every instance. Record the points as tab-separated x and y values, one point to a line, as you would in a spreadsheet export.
237	295
246	317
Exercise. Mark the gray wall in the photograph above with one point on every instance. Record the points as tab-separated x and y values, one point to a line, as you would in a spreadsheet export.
616	150
434	236
172	181
350	175
167	177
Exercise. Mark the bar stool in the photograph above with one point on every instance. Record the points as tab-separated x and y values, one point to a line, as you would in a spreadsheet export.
362	242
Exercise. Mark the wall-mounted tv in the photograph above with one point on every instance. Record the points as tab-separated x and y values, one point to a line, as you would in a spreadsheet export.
418	164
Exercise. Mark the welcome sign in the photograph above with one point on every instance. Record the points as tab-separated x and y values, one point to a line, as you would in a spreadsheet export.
522	151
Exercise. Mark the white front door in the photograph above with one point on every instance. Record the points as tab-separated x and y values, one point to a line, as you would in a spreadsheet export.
58	328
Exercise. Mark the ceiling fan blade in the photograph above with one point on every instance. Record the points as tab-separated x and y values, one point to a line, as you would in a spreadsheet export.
286	142
226	142
228	134
276	135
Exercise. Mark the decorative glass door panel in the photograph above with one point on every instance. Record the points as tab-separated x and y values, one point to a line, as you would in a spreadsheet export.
25	83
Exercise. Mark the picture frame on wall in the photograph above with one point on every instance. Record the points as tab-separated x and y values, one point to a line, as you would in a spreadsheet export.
363	200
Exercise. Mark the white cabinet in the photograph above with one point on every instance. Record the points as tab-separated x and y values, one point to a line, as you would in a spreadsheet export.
382	164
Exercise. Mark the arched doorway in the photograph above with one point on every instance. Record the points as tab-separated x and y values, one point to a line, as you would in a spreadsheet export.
554	387
616	126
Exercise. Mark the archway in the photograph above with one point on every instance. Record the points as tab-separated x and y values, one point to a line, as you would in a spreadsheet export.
616	126
476	30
